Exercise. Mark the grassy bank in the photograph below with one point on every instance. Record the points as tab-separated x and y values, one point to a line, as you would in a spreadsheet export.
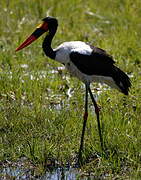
41	106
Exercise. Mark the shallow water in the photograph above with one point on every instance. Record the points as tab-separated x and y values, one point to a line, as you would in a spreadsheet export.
61	174
18	173
15	173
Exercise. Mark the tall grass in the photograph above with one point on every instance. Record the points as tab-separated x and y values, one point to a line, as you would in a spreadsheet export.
38	117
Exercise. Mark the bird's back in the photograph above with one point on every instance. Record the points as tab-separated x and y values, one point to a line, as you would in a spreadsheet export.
65	49
89	63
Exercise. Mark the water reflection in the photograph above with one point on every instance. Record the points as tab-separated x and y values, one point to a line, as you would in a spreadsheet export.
61	174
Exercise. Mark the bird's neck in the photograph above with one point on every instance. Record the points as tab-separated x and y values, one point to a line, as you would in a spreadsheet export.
47	44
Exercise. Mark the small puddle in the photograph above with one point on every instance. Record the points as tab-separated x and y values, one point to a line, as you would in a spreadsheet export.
24	169
15	173
18	173
61	174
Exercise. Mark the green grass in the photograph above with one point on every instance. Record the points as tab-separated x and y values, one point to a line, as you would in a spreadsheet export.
37	117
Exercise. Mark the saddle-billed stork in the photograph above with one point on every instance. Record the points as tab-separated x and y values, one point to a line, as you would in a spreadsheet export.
86	62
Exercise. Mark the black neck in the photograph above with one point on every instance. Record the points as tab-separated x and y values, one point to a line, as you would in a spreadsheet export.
47	44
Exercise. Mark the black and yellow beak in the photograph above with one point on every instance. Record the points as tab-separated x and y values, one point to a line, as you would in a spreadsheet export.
42	28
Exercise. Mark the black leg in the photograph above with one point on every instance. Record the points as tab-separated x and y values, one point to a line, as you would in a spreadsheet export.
97	115
84	127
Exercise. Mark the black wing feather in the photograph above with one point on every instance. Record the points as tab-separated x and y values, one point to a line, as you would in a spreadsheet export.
97	63
101	64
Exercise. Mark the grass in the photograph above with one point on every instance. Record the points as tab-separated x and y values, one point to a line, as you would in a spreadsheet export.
38	119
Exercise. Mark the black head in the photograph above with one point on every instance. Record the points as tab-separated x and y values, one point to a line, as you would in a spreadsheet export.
51	21
49	24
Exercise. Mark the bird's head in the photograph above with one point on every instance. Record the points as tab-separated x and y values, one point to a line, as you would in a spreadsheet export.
49	23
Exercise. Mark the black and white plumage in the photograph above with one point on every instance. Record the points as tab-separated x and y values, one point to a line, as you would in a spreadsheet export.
86	62
92	64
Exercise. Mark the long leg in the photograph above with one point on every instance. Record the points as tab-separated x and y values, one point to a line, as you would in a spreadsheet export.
84	126
97	115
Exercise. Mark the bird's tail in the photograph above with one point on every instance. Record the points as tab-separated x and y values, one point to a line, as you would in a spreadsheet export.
122	80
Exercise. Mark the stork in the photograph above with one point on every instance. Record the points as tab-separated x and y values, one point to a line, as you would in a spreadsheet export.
87	63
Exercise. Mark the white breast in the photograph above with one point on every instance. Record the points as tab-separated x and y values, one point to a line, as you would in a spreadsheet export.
63	51
63	56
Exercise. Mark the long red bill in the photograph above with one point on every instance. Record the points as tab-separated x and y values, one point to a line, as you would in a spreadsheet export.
42	28
28	41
